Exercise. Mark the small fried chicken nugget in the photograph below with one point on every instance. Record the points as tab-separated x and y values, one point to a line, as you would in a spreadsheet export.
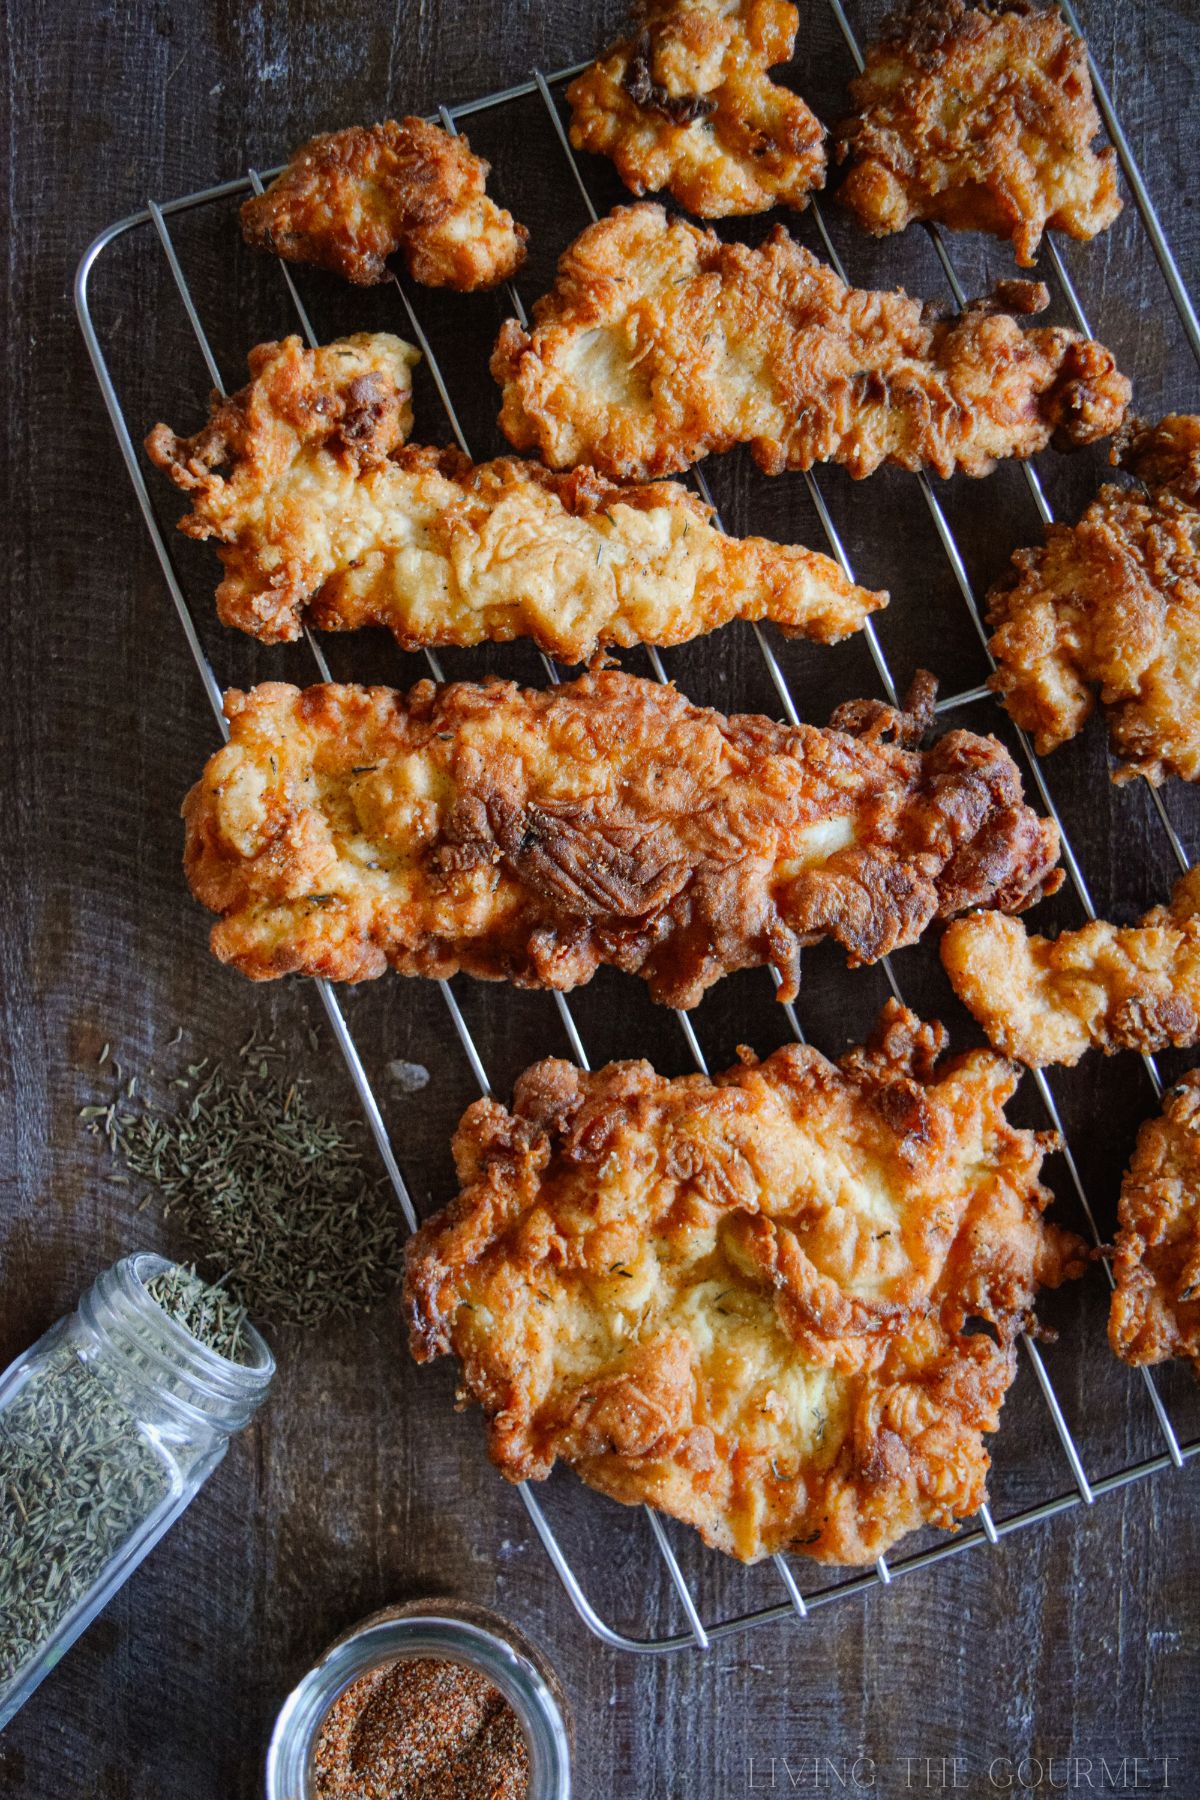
348	199
1103	987
981	117
1110	607
686	104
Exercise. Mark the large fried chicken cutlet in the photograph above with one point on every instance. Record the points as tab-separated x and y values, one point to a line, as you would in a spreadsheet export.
1104	987
1155	1311
746	1300
348	199
981	117
659	343
530	836
686	104
320	513
1111	606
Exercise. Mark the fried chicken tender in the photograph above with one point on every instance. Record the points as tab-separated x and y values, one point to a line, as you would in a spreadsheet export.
1155	1311
1112	605
745	1301
658	343
981	117
686	104
293	440
348	199
1104	987
345	527
530	836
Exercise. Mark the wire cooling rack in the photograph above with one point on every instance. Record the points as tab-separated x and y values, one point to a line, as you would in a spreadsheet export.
793	1602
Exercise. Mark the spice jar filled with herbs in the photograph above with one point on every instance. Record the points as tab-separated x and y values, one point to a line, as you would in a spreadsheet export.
109	1426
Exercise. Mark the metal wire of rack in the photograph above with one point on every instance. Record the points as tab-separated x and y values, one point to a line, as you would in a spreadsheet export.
1084	1490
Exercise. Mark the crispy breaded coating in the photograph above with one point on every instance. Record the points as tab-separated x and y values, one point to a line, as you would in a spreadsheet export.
346	528
348	199
1104	987
981	117
1155	1311
744	1301
530	836
294	441
1111	605
659	343
685	103
1165	457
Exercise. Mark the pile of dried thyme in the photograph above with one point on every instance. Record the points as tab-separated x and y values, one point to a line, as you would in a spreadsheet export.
271	1193
203	1308
79	1476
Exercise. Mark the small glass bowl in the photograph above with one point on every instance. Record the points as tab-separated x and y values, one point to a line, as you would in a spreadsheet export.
454	1631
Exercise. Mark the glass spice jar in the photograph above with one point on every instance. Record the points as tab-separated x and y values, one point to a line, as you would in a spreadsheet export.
446	1629
109	1426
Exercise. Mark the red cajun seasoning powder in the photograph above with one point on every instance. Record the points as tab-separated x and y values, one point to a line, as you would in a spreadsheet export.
421	1730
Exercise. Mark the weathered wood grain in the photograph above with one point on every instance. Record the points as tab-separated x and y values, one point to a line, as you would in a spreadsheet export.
360	1485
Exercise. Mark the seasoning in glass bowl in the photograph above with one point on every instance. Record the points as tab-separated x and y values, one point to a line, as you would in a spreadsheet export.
422	1728
462	1746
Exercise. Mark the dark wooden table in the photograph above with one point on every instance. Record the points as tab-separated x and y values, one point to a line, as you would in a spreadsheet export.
1076	1638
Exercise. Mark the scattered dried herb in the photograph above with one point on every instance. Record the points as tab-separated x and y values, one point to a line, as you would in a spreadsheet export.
421	1727
76	1477
203	1308
272	1194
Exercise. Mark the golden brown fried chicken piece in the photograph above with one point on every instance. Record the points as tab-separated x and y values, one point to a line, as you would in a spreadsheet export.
345	527
659	343
981	117
348	199
1164	457
745	1301
1112	605
1105	987
293	440
530	836
686	104
1156	1307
